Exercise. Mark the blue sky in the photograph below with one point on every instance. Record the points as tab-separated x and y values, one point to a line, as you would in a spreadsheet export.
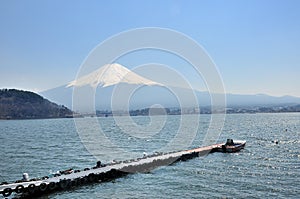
255	44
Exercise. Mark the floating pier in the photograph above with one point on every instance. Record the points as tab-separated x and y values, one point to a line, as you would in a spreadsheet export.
102	173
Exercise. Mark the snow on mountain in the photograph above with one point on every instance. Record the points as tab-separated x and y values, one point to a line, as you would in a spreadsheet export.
112	74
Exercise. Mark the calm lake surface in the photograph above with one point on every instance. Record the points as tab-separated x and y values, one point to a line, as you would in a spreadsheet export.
262	169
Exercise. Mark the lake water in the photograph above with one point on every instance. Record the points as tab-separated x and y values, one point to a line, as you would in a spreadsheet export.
262	169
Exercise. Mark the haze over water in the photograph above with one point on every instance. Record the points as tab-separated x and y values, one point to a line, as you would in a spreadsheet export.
262	169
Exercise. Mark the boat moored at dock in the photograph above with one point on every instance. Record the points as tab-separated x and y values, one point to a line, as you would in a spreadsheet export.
231	146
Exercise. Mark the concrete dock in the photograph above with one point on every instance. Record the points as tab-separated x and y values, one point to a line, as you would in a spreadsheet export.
29	189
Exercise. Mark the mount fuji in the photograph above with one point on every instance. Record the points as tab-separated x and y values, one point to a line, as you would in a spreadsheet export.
111	77
112	74
108	79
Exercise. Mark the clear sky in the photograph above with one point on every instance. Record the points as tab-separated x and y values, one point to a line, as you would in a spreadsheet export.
255	44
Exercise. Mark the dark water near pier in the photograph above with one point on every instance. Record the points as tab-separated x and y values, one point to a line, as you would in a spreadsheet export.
263	169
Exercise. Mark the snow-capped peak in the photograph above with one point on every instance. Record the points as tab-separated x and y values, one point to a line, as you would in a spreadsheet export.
111	74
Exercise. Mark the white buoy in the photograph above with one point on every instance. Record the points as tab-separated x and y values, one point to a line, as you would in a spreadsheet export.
25	177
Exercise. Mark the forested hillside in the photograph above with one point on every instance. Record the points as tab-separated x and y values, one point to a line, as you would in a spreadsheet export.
18	104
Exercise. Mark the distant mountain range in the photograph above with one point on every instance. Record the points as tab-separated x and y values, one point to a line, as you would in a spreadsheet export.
17	104
259	99
112	82
113	76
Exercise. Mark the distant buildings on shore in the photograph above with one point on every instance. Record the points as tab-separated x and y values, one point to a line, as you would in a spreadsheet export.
201	110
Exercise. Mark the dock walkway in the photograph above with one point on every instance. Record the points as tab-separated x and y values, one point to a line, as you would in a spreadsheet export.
100	174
